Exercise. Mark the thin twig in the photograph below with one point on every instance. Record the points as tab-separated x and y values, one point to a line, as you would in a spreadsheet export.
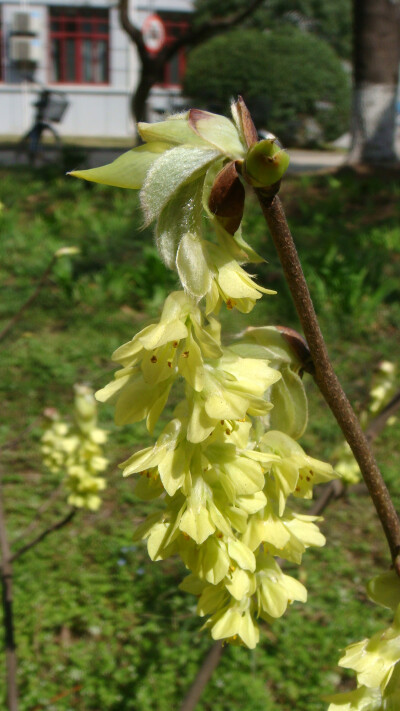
38	513
30	300
335	489
203	676
324	374
54	527
8	620
376	425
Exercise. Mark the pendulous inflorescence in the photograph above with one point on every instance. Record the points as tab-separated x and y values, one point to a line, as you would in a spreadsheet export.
227	466
75	450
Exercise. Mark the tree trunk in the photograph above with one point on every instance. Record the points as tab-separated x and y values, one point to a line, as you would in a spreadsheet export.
139	98
376	57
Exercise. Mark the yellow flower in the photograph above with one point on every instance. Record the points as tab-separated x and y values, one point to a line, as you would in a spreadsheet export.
77	451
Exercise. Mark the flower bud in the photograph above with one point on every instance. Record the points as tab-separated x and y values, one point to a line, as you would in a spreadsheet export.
265	163
226	199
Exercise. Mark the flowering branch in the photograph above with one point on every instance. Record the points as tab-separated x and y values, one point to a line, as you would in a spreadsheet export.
324	374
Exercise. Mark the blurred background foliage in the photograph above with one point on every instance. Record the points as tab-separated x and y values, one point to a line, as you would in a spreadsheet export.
290	61
98	626
328	19
292	81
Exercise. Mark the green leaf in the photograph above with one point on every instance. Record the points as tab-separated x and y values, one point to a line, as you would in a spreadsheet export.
128	170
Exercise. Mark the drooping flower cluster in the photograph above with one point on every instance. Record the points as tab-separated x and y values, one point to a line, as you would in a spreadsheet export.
376	661
226	463
75	450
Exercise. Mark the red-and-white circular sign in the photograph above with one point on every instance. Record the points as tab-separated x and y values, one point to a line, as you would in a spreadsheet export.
153	32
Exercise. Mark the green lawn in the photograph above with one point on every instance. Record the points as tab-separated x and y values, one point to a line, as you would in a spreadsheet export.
98	626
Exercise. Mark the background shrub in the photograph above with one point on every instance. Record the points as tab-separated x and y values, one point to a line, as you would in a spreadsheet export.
287	77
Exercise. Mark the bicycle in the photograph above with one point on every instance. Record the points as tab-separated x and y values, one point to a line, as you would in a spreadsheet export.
42	143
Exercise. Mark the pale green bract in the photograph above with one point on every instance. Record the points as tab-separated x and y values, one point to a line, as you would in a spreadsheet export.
172	171
225	465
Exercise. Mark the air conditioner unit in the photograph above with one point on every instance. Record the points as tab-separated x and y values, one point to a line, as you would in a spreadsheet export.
25	49
25	23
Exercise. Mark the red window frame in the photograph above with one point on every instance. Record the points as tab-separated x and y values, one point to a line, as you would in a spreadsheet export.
175	24
68	24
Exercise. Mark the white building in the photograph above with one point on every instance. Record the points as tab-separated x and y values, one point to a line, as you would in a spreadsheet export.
77	47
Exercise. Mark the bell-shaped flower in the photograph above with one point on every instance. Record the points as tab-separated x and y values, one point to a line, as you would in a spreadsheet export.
295	472
179	341
161	530
170	455
235	623
209	562
374	659
196	521
288	536
229	283
134	398
275	590
229	467
156	355
233	388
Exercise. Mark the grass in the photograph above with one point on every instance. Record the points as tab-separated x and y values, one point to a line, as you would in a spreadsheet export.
99	626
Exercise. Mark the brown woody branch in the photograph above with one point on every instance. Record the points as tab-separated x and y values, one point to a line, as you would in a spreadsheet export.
324	374
203	676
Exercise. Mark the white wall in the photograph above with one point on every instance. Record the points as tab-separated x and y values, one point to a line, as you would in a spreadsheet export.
94	110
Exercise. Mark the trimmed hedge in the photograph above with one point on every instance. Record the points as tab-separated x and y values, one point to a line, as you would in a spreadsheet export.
287	77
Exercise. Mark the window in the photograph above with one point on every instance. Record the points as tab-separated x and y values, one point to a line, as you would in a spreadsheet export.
1	45
79	41
176	24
